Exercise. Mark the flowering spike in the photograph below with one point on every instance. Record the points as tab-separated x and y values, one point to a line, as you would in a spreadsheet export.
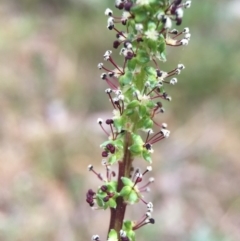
135	83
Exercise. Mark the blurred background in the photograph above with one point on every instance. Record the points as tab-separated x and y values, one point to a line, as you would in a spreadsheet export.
51	96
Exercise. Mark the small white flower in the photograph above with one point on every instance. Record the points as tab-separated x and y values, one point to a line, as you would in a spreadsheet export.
115	99
122	234
168	23
116	114
99	121
151	179
178	71
152	34
90	167
108	91
129	45
173	81
184	42
108	12
174	31
110	23
164	125
149	168
125	16
165	133
148	214
169	98
143	2
95	237
147	84
181	66
160	16
185	30
104	162
107	55
187	4
121	97
148	189
117	92
179	13
103	76
139	27
123	51
187	36
150	205
100	65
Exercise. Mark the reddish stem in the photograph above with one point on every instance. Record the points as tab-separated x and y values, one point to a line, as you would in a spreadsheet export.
124	169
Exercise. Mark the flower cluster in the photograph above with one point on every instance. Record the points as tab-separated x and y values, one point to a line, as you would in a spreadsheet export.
137	89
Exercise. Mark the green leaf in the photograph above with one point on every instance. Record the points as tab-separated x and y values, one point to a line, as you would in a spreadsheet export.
133	104
125	191
148	123
136	149
118	143
112	203
127	182
140	14
142	57
133	197
128	112
112	236
100	202
127	225
142	111
150	104
105	143
147	156
145	123
131	235
112	159
131	64
151	26
150	70
126	78
118	124
112	186
137	139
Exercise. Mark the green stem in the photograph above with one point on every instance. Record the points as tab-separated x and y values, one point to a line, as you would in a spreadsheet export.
124	169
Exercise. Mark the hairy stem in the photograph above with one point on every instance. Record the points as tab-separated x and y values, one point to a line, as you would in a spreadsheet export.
124	169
